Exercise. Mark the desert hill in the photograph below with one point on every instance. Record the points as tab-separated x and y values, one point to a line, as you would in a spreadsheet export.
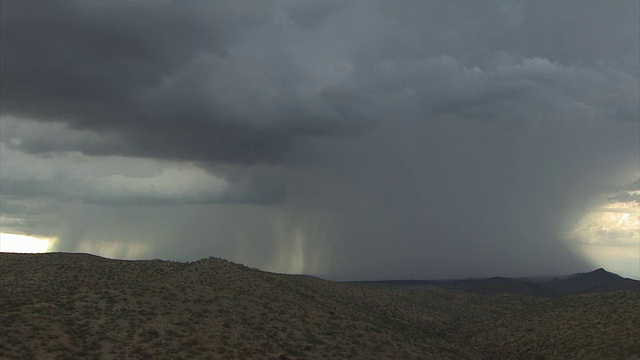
79	306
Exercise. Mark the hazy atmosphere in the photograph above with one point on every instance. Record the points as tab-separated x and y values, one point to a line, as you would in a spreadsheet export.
349	139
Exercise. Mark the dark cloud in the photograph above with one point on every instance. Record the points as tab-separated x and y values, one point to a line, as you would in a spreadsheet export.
309	14
191	80
360	139
160	76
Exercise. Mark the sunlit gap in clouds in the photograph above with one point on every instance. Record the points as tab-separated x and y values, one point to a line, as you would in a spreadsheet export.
609	235
17	243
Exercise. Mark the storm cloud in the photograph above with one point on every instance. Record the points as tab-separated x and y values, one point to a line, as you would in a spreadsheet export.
354	139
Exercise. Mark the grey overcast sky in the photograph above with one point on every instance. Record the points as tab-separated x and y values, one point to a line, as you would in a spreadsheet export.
355	139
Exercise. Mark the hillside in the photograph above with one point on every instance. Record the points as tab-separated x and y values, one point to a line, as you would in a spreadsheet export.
79	306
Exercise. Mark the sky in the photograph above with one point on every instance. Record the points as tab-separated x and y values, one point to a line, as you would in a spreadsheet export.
356	140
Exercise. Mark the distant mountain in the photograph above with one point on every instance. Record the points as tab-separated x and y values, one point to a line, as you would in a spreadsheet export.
595	281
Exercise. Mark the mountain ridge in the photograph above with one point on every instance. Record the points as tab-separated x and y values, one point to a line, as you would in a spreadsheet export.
598	280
